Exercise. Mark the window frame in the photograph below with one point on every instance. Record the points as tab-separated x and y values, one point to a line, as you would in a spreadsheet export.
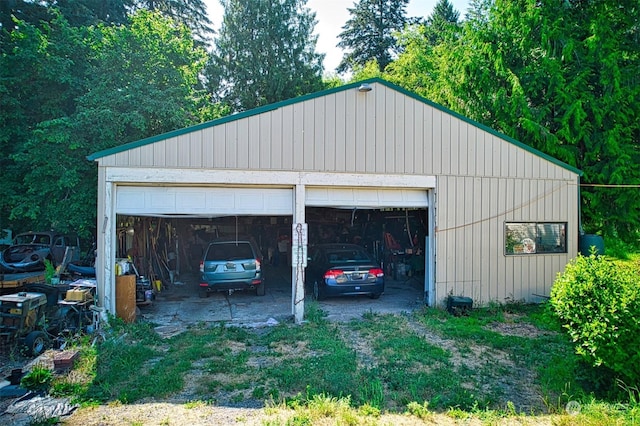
531	231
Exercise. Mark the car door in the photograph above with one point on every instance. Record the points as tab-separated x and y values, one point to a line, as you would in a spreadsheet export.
315	267
58	247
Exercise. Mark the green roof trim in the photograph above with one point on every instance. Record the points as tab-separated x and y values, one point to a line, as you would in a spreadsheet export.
350	86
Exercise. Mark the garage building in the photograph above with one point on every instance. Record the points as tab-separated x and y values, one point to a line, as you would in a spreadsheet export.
472	211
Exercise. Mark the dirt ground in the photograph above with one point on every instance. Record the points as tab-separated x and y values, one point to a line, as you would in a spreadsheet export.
178	410
165	413
400	297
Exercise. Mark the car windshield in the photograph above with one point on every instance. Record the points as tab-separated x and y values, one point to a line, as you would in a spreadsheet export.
229	251
342	256
32	239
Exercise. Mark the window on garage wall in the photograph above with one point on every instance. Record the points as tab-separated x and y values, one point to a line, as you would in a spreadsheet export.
535	238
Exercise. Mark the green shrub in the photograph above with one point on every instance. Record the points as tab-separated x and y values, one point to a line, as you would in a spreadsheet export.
38	379
598	302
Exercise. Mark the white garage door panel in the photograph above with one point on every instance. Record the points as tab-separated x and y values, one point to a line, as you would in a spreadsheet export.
366	198
191	201
160	200
130	198
153	200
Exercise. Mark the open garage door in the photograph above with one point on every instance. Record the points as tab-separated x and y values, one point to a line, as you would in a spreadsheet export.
393	224
163	232
370	198
203	201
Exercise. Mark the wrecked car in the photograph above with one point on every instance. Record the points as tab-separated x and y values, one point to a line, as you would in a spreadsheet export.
28	251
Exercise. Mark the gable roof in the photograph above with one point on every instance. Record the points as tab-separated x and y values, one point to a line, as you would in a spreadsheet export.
350	86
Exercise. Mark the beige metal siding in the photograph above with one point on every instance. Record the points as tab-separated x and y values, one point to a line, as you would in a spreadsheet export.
471	214
383	131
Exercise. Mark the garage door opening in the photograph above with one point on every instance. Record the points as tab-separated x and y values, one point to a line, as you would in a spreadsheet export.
169	250
395	237
165	237
164	248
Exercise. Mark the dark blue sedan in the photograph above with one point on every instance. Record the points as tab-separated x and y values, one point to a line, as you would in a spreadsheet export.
343	269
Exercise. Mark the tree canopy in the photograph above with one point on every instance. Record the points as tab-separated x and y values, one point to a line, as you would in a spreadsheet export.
265	52
441	22
70	91
76	12
368	35
559	76
191	13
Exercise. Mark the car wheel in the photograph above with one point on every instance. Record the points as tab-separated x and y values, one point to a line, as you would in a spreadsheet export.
317	293
375	295
260	290
203	293
36	342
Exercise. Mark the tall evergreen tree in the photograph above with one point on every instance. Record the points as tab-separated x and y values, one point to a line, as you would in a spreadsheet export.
89	12
369	33
415	68
192	13
264	53
441	22
478	11
76	12
23	10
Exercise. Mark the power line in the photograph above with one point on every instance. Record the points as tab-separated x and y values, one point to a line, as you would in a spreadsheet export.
606	185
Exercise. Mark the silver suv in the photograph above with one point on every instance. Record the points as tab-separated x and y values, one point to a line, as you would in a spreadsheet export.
230	265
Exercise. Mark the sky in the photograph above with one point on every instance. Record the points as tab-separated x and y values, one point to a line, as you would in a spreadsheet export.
332	15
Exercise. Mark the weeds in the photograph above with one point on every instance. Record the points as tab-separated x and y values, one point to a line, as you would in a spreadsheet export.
421	364
38	379
373	393
558	405
632	392
420	410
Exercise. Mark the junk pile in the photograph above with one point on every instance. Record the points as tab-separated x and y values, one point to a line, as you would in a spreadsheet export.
35	317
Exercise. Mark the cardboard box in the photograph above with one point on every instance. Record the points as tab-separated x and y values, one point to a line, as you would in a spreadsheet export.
78	295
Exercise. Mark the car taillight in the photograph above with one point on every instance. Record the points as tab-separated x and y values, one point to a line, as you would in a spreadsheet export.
257	264
333	274
201	266
376	272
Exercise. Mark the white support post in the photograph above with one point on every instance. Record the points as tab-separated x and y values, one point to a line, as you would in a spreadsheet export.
110	247
105	261
297	263
430	253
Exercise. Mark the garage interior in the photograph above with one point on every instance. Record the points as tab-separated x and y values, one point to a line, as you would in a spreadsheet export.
165	251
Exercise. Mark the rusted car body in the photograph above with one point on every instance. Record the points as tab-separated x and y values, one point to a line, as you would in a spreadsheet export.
29	250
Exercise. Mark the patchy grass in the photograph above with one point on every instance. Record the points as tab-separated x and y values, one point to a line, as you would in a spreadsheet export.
502	362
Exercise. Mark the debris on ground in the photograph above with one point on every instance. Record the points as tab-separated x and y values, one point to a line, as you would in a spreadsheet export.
34	408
